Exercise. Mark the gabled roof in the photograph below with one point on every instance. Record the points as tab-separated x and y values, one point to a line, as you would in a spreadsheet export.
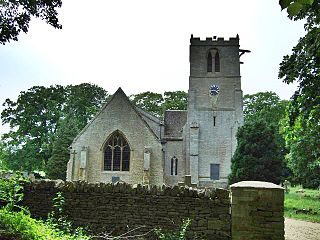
148	115
138	111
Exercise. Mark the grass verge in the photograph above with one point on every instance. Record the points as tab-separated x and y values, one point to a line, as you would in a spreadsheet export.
303	204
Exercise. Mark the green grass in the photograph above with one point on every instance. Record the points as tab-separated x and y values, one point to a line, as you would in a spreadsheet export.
302	205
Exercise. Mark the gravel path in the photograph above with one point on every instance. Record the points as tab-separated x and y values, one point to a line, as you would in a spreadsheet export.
301	230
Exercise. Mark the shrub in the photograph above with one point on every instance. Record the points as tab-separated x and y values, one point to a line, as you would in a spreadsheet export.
18	225
174	235
11	191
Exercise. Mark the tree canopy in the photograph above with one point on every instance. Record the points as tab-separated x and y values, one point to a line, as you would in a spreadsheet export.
302	131
260	152
265	105
157	103
149	101
258	155
36	115
294	7
15	16
57	163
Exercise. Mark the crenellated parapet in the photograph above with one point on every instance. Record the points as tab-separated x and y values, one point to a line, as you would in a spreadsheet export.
214	41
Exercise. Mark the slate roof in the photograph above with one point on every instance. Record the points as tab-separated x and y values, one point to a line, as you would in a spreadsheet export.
174	120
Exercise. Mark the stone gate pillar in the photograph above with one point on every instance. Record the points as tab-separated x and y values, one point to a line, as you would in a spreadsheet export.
257	211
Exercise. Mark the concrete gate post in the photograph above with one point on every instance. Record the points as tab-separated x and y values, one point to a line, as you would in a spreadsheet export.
257	211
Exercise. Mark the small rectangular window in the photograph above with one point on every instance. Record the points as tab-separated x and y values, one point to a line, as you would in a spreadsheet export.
214	121
214	171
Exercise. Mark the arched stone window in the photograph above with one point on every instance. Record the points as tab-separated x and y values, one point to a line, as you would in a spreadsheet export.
213	60
217	62
209	62
174	166
116	153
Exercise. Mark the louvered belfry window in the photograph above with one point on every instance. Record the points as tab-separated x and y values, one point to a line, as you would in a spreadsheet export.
217	62
209	62
117	153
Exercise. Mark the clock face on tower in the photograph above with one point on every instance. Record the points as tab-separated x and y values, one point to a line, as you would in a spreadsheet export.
214	90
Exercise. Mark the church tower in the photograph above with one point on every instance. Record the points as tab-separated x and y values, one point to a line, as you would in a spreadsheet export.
214	109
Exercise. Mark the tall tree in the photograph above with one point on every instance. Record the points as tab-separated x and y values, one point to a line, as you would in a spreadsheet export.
176	100
57	163
258	155
149	101
303	142
33	121
83	101
15	16
3	156
268	107
35	116
157	103
264	105
303	66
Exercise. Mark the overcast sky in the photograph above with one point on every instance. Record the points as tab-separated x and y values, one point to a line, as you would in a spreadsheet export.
143	45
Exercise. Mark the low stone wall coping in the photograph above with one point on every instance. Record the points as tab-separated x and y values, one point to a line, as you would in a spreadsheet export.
255	184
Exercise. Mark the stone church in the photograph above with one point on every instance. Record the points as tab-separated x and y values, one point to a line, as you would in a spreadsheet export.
126	143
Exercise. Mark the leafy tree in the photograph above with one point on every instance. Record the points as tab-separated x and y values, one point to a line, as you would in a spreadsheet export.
268	107
34	119
3	157
57	164
264	105
176	100
303	143
294	7
258	155
26	156
156	104
15	16
149	101
303	65
83	101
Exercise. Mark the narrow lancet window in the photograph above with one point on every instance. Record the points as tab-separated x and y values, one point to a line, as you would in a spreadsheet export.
174	166
209	62
217	62
171	172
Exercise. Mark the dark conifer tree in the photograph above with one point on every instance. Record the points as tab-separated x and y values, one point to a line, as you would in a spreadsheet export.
258	155
57	164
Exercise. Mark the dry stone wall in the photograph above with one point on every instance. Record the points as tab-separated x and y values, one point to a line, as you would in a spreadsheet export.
254	211
121	207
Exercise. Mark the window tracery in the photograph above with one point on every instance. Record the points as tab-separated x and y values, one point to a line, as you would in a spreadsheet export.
117	153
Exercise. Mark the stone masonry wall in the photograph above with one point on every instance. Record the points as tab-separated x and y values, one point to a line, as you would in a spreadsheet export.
257	211
114	208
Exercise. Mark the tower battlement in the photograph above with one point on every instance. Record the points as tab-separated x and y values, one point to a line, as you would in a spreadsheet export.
217	41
